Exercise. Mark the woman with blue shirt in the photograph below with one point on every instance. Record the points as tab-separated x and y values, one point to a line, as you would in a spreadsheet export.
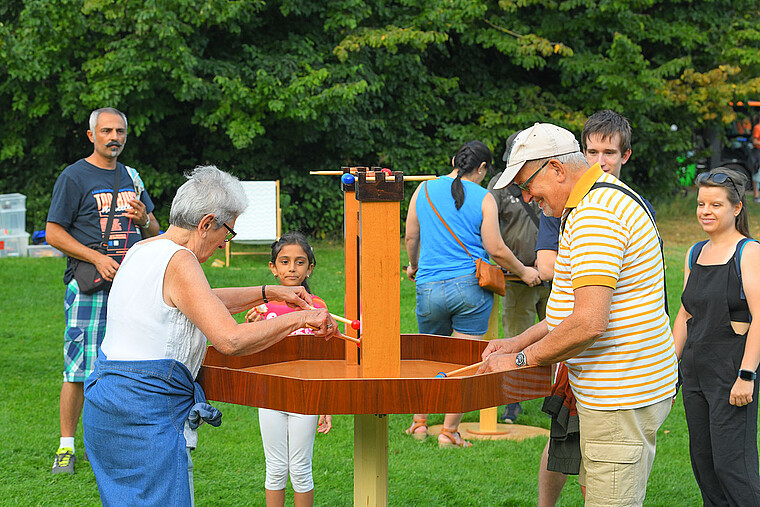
449	299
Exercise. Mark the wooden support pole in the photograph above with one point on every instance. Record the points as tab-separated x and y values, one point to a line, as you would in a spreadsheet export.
370	460
379	292
489	416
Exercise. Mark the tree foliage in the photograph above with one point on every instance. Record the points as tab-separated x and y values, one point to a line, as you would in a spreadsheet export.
273	89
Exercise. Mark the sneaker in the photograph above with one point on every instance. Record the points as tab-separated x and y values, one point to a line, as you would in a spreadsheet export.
756	199
64	461
511	412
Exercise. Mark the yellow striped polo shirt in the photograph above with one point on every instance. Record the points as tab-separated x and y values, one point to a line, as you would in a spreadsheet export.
609	240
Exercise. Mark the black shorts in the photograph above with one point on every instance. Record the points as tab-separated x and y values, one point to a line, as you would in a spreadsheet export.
564	437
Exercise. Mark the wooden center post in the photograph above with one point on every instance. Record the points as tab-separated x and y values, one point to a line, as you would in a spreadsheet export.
351	263
379	299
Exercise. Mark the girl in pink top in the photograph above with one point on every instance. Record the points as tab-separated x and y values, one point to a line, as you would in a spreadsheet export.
288	438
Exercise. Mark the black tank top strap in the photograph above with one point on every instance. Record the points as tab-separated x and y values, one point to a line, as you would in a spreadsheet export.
738	260
735	298
737	301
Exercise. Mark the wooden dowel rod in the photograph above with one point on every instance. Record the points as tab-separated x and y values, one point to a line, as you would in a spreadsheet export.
343	337
406	178
341	319
370	178
463	369
348	338
420	177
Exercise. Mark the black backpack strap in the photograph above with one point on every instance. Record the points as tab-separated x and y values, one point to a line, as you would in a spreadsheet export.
515	191
112	211
738	259
637	199
640	202
696	249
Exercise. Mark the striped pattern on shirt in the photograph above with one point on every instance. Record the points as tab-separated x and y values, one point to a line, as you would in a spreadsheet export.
609	240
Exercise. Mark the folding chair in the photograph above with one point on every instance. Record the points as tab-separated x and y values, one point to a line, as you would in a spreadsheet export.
260	223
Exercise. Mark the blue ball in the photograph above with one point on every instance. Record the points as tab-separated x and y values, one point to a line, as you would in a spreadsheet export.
347	179
440	374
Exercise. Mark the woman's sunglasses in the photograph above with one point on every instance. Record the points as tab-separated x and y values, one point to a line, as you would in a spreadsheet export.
719	178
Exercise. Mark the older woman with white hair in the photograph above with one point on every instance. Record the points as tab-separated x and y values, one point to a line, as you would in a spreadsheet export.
142	404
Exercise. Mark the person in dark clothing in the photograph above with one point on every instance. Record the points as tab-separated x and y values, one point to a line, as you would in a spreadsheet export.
519	224
78	218
719	344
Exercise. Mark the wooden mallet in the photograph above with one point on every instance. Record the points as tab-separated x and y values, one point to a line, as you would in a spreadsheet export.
355	324
343	336
349	339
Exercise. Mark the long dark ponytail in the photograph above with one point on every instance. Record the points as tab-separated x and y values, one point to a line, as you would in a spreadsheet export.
294	238
468	159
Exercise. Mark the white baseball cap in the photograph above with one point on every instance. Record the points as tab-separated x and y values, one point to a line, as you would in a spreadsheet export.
542	140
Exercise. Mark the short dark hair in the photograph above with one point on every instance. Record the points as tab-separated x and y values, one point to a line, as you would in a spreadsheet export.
510	142
607	123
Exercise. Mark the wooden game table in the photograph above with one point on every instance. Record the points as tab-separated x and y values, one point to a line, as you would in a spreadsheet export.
307	375
390	373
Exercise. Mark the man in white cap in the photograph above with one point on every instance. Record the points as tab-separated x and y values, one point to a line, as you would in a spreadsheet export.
606	315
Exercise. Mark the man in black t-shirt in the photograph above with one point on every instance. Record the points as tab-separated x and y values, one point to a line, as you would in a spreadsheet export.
77	217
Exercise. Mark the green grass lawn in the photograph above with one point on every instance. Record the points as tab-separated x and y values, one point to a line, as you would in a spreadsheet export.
229	463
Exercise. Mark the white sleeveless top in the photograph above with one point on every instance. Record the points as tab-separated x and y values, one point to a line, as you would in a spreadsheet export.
140	325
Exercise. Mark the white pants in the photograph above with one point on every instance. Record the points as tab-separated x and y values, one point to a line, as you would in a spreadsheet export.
190	476
288	447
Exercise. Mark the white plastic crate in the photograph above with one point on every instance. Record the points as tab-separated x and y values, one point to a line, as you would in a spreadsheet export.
12	221
14	245
43	251
12	201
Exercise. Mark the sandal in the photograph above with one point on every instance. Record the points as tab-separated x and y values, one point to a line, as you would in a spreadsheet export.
455	439
416	424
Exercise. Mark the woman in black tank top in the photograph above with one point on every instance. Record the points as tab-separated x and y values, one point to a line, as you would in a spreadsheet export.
719	345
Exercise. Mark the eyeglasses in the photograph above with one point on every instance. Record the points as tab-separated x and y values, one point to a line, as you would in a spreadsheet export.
524	184
719	178
230	233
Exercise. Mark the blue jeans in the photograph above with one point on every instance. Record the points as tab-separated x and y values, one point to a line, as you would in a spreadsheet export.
134	430
455	304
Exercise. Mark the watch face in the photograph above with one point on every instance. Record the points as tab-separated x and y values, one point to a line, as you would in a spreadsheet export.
520	359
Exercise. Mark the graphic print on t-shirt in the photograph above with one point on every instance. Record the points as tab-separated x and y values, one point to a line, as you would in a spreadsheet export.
123	230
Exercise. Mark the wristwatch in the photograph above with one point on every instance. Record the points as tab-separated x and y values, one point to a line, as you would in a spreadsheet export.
520	360
747	375
147	224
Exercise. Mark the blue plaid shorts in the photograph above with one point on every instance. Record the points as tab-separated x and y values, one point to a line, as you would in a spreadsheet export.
85	330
